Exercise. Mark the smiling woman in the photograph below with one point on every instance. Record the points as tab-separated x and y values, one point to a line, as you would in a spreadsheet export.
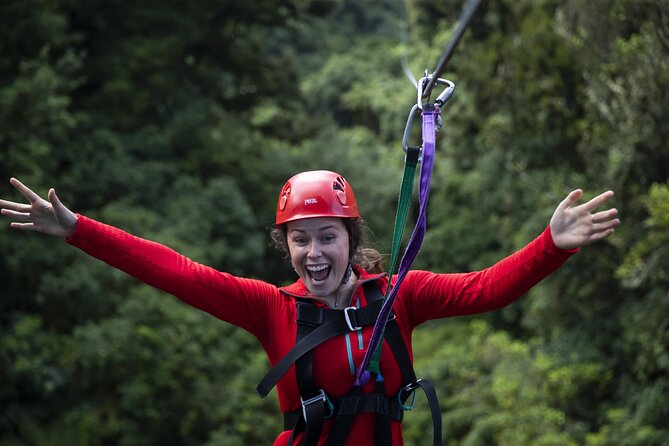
320	254
366	257
319	228
317	330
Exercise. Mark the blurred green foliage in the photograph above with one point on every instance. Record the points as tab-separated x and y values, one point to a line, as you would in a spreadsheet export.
180	121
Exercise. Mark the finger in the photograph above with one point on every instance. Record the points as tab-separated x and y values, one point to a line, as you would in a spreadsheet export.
23	226
602	227
597	201
20	216
572	198
14	206
601	235
25	190
603	216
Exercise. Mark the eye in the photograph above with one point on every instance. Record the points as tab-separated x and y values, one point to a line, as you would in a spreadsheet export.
300	241
329	237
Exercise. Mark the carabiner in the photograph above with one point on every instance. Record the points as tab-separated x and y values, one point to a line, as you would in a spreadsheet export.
446	94
441	99
408	126
439	102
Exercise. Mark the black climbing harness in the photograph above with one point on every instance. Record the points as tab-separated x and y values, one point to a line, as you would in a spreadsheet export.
316	325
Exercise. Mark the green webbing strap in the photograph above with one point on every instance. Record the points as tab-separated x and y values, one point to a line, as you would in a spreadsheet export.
406	190
403	206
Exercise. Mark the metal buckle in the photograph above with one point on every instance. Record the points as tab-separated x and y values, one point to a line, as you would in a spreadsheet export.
411	387
348	319
320	397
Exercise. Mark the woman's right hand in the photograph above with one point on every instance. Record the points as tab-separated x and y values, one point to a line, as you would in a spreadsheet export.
48	217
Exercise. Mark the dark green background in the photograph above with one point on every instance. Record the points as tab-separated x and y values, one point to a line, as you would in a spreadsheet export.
180	120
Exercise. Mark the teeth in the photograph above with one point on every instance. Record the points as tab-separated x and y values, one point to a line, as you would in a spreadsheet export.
317	268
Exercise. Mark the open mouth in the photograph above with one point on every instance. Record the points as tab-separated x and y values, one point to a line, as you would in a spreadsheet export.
318	273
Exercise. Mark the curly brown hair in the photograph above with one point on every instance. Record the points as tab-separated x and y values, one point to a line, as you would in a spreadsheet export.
367	258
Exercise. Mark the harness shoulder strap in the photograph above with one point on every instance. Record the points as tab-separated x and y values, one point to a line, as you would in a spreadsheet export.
311	397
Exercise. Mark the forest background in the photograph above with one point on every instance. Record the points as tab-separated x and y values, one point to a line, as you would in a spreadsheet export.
180	121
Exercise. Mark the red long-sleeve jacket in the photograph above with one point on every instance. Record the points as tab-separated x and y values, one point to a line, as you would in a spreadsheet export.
269	313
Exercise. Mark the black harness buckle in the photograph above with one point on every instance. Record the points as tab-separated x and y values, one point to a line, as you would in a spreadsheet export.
350	324
320	397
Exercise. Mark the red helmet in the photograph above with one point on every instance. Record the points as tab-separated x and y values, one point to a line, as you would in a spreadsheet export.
318	193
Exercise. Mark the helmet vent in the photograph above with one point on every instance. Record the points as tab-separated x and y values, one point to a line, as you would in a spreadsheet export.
284	197
339	186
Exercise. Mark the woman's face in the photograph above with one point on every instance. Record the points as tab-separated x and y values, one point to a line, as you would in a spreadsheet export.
319	251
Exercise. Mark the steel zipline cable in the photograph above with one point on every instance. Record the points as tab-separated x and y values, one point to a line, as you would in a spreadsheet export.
466	16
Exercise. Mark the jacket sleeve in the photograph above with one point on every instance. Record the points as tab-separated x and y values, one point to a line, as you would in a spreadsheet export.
243	302
428	295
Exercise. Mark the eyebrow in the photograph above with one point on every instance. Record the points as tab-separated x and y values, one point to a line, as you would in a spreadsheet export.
319	229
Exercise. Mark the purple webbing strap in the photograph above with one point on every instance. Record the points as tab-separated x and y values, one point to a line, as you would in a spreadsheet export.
429	142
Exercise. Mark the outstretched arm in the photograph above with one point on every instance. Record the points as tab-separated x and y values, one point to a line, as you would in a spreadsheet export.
251	304
571	227
576	226
49	217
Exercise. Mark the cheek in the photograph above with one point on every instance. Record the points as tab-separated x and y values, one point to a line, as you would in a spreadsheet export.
293	255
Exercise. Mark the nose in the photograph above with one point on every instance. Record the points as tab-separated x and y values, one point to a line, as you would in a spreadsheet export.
314	250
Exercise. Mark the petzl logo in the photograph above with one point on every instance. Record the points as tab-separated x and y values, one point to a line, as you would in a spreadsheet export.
310	201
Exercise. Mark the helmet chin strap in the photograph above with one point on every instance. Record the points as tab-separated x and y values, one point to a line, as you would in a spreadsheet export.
347	274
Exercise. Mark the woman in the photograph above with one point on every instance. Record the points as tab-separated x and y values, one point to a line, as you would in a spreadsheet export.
318	224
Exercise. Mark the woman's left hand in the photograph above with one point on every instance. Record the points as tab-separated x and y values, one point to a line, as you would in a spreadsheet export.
576	226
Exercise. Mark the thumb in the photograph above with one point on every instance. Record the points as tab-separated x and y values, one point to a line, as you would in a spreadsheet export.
58	207
67	220
53	199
